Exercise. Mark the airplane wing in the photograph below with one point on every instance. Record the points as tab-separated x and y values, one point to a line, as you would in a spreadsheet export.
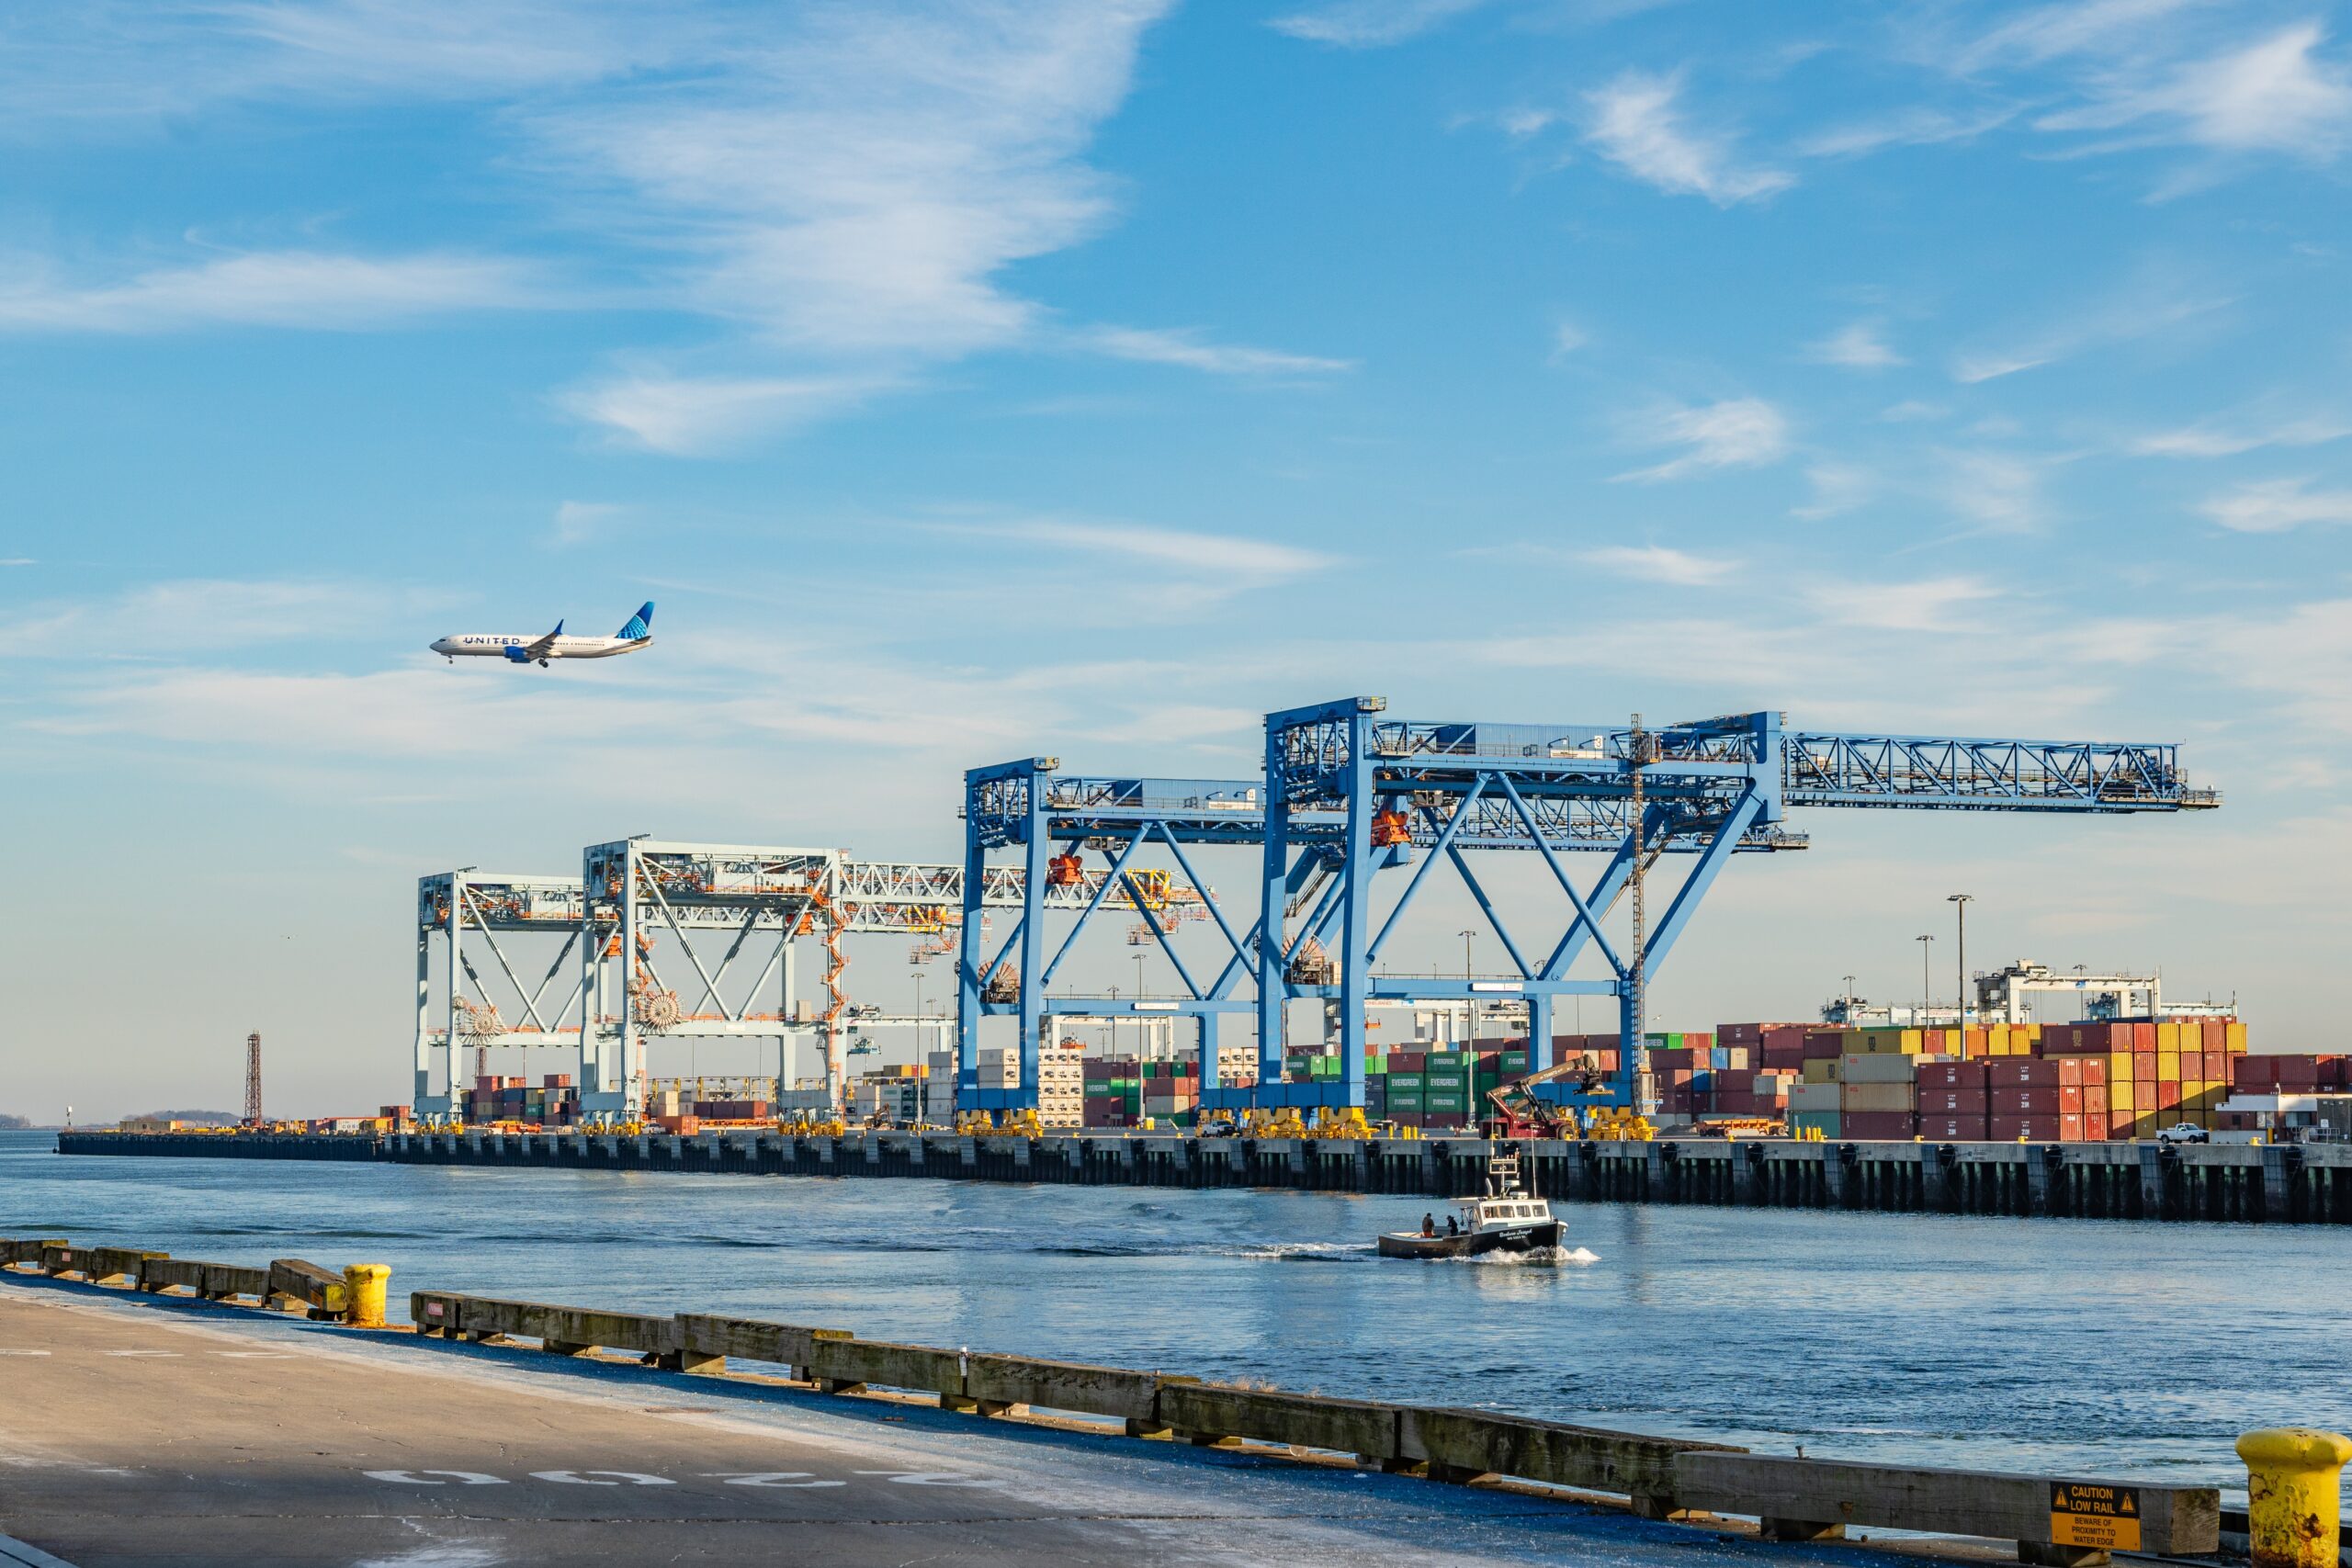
539	650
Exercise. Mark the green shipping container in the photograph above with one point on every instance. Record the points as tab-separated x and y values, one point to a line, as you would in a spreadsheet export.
1403	1080
1406	1100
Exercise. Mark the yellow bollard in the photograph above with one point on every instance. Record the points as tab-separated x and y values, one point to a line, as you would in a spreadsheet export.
2293	1495
365	1285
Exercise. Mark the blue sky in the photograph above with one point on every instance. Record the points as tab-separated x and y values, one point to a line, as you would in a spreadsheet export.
976	380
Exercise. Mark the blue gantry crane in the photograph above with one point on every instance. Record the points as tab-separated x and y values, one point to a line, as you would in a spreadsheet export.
1349	793
1055	819
1355	790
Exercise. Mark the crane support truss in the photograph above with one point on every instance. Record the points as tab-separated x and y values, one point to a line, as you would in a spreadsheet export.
1358	792
1031	806
491	929
655	913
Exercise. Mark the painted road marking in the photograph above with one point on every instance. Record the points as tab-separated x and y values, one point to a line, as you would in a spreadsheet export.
794	1478
23	1352
771	1478
254	1355
173	1353
927	1478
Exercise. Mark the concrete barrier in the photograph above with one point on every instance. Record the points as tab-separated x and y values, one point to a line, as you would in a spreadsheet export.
566	1330
1207	1413
1002	1384
844	1365
213	1281
709	1341
1463	1445
2053	1520
321	1290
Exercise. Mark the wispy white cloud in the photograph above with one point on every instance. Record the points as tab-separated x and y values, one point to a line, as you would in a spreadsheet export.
280	288
694	416
1227	558
2272	95
1861	345
1999	492
197	615
1836	487
1637	123
1916	127
1736	433
1566	338
2211	440
1659	563
1935	603
1188	350
17	561
842	188
1912	411
1371	24
2039	34
578	522
2275	506
2140	307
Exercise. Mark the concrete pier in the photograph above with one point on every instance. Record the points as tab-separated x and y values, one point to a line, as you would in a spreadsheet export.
145	1430
2269	1184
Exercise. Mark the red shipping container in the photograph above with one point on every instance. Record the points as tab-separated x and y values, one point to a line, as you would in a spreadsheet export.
2095	1100
1954	1075
2070	1100
2118	1123
1878	1126
2143	1035
1953	1129
2094	1126
2026	1102
2167	1097
2070	1126
2216	1033
2144	1066
1955	1102
2033	1128
2021	1072
1823	1044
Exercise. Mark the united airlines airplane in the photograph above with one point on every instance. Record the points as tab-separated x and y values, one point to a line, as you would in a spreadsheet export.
555	645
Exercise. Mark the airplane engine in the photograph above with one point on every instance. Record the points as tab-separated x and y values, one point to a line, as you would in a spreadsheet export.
518	653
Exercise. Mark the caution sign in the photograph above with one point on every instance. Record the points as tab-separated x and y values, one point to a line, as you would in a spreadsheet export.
2097	1518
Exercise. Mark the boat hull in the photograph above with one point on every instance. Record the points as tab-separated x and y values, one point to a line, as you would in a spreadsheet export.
1471	1243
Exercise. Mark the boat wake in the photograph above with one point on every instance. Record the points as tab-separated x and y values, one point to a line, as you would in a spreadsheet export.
1542	1257
1308	1251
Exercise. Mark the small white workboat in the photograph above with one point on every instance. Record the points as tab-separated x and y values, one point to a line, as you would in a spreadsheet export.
1504	1218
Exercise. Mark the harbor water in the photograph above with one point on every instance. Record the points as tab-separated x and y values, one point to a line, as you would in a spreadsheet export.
1983	1342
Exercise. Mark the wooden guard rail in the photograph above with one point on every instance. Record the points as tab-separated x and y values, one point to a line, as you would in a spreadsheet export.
2053	1520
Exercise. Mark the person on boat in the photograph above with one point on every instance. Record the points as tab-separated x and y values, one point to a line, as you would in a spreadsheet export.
1453	1225
1429	1226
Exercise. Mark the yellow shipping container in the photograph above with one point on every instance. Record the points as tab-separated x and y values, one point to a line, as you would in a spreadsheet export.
2167	1067
2234	1038
2209	1097
2119	1096
2168	1038
2118	1067
1821	1069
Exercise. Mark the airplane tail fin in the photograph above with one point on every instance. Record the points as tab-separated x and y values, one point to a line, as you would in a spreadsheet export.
639	625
